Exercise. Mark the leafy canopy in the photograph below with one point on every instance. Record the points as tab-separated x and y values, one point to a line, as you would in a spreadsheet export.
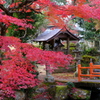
18	62
55	13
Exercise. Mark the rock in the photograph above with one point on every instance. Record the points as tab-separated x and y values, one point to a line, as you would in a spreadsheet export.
58	92
20	95
40	90
49	78
80	94
77	93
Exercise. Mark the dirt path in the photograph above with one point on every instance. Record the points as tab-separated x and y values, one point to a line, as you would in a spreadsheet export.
57	76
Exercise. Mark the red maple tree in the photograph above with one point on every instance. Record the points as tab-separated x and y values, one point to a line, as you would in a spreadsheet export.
57	14
16	58
17	64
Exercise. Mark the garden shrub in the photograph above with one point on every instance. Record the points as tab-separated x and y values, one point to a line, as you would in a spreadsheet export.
72	47
86	61
91	51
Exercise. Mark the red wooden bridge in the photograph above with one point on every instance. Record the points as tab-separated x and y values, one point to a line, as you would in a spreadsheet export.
91	80
91	73
91	83
88	81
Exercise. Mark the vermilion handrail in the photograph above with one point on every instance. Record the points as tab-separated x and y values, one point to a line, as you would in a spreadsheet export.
91	74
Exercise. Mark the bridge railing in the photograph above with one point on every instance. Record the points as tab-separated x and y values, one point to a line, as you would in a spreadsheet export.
91	71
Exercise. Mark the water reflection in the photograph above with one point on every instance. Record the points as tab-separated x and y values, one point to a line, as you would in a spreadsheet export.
95	95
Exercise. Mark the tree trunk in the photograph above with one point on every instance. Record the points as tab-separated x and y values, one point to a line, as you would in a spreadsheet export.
74	2
3	29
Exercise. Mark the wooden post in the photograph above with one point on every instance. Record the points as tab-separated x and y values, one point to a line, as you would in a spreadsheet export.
79	71
91	68
43	45
68	45
52	44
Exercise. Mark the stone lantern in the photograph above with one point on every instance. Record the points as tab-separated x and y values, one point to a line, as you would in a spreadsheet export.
78	56
77	52
49	77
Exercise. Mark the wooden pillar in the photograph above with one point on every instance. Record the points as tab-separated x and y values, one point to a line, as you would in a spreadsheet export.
53	41
52	44
91	69
79	71
43	45
68	45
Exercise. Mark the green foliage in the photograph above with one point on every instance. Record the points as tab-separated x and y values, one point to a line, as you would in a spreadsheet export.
58	92
91	51
70	85
79	21
72	47
90	32
29	92
86	59
38	45
49	83
27	34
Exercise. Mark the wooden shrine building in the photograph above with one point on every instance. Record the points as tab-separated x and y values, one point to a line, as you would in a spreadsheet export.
52	39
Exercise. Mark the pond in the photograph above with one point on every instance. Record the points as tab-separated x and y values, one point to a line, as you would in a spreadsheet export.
95	95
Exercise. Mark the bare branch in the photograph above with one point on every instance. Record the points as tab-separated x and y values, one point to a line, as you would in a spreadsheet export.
22	4
4	9
23	35
9	10
35	10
